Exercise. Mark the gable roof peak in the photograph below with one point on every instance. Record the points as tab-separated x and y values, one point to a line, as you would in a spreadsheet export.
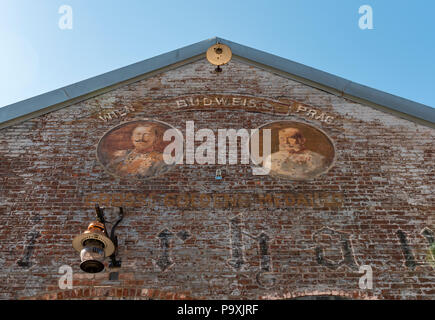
74	93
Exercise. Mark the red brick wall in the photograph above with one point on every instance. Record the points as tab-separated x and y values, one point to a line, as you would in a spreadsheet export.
383	173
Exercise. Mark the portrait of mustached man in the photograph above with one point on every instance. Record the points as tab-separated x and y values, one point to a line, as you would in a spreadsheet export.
145	159
293	159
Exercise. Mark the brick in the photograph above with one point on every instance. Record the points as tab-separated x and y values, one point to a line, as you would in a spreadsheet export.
381	181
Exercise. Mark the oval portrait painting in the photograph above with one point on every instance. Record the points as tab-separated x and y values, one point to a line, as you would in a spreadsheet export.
298	151
135	149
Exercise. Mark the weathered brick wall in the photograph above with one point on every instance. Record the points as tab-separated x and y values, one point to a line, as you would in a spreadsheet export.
383	175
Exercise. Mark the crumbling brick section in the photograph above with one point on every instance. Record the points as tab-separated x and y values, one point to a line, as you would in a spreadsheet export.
96	293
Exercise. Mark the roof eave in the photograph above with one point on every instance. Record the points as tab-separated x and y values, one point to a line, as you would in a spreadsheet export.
380	100
63	97
74	93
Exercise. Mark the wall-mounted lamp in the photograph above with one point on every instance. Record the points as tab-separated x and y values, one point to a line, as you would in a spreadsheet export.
95	244
218	174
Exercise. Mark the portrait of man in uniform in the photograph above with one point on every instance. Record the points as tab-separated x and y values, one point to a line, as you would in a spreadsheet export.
135	150
299	151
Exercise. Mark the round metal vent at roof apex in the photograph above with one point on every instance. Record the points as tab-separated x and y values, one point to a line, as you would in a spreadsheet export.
219	54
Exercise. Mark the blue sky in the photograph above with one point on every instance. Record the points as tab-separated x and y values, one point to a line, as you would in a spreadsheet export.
397	56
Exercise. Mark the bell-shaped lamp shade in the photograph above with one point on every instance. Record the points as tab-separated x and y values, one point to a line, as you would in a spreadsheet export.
93	246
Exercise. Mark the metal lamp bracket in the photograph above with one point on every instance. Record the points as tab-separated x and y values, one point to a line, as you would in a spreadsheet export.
114	263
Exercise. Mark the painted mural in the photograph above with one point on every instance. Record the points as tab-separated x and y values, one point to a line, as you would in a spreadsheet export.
298	151
135	149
